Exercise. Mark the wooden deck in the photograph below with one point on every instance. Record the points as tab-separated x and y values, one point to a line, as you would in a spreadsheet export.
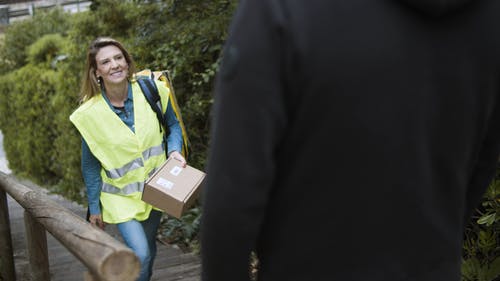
171	263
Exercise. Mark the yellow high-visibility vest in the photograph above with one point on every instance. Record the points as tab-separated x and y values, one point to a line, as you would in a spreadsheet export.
127	158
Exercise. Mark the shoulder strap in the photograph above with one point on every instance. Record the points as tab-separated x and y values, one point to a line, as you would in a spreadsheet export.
165	77
146	82
150	91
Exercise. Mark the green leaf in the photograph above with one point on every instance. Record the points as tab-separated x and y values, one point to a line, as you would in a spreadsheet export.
488	219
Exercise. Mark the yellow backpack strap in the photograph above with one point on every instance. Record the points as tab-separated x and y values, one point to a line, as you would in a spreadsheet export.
165	77
144	73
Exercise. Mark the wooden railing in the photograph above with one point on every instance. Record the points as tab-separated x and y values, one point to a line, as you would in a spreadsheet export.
106	258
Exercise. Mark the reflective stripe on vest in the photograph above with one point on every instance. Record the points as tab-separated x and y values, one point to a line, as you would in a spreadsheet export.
126	190
136	163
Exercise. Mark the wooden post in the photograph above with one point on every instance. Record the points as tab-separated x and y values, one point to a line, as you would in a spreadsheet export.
7	268
106	258
36	240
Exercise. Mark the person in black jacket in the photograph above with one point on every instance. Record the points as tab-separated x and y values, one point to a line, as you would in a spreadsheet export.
351	139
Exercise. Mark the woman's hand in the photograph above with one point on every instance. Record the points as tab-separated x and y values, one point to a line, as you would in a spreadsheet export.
177	156
97	221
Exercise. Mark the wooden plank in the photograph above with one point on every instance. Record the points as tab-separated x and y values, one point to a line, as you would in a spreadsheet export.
179	272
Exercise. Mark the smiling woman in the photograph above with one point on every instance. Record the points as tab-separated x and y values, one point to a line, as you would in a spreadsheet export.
112	71
121	146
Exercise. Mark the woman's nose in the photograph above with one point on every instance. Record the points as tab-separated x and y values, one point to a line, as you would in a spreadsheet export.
114	64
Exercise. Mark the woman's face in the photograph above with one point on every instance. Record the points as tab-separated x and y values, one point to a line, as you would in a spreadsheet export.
111	65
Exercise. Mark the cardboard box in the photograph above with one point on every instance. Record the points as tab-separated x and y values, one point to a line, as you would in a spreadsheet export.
172	188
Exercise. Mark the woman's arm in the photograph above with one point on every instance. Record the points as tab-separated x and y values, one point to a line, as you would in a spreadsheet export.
174	139
91	171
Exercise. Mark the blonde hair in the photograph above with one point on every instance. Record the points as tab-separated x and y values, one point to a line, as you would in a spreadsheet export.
90	86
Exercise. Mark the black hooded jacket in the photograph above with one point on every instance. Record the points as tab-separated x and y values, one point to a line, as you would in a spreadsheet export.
351	139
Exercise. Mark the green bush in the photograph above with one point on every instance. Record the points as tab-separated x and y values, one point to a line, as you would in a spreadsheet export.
28	129
45	50
21	34
481	258
66	141
47	53
185	37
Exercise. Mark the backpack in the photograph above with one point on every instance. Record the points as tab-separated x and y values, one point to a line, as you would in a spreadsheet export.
145	79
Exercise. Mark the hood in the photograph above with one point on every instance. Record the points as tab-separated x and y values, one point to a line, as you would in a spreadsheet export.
436	7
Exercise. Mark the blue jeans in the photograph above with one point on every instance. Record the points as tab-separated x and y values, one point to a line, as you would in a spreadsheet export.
140	236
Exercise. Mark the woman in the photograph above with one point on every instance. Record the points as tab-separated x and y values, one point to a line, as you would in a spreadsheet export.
121	146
